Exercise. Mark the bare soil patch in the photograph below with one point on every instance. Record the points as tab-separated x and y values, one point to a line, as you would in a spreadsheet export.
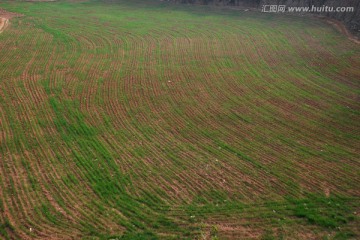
5	16
8	15
3	24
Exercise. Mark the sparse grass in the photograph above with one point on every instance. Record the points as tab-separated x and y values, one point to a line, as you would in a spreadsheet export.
151	120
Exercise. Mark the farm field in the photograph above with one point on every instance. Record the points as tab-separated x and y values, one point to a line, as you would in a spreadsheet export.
152	120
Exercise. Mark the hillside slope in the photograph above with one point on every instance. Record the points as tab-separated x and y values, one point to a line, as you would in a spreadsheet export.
350	19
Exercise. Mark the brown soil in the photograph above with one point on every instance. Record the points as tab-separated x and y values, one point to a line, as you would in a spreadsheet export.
8	15
5	16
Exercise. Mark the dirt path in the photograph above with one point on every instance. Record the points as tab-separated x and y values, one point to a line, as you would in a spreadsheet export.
5	17
341	28
4	22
